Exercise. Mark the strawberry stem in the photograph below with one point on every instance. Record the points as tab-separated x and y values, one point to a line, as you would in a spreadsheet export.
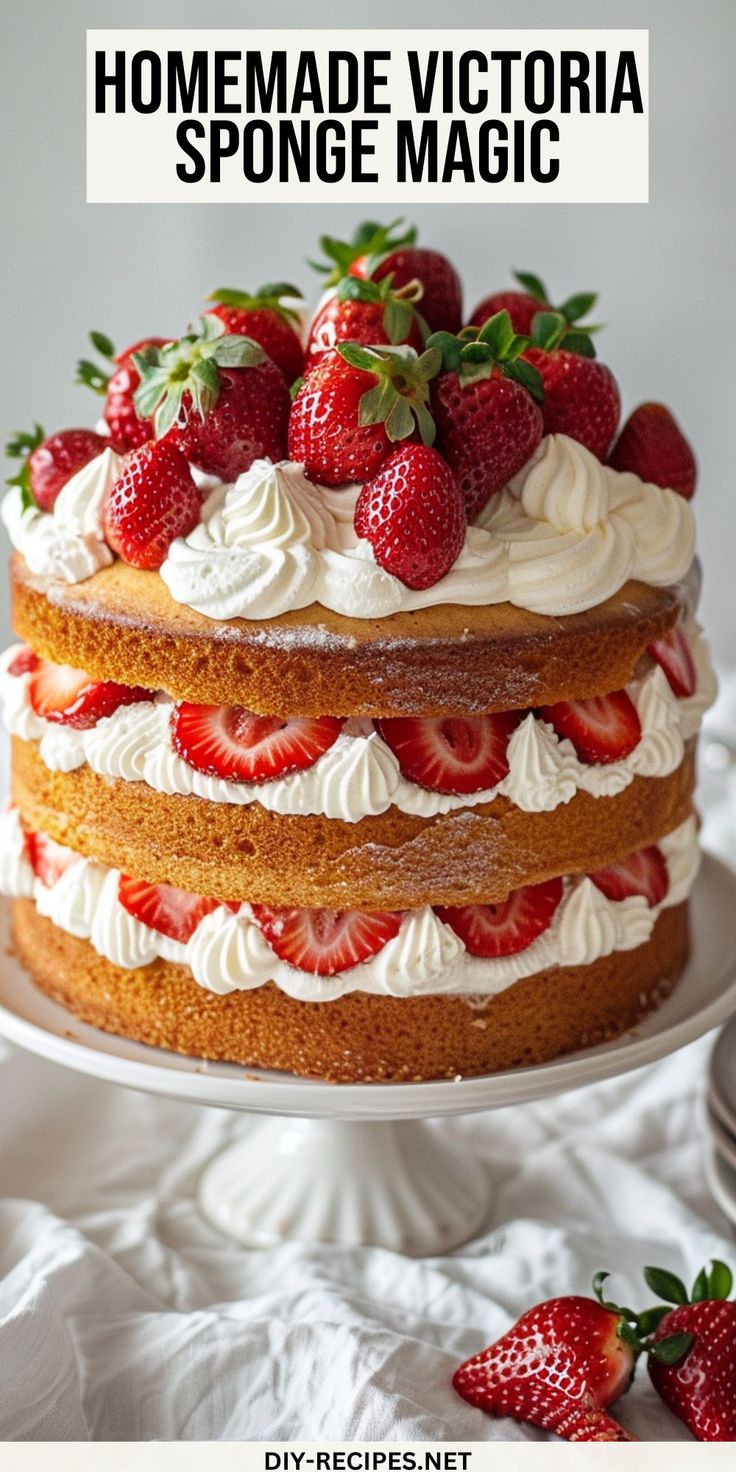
400	397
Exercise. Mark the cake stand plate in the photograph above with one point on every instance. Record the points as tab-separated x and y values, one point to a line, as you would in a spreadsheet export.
355	1165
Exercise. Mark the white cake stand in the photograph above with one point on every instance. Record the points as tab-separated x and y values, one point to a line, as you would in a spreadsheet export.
353	1164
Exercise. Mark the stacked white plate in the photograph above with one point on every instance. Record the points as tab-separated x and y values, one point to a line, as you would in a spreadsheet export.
720	1113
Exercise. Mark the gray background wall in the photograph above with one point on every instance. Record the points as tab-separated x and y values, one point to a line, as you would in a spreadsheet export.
664	269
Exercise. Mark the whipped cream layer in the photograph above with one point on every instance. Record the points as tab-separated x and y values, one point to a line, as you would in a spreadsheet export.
564	536
359	776
67	544
228	952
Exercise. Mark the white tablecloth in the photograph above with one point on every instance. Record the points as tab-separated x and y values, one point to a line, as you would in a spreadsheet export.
123	1316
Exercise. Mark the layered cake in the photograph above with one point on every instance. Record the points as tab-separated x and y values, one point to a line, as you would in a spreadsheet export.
353	727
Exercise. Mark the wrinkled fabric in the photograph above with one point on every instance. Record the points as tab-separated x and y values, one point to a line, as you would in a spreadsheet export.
124	1316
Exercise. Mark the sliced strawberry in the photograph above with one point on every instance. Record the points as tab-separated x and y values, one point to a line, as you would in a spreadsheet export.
23	661
672	652
47	858
231	742
642	873
502	930
604	729
326	941
67	696
445	754
173	912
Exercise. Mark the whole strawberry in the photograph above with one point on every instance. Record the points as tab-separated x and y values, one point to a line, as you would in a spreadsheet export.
652	444
377	251
154	501
127	429
581	396
560	1366
367	312
412	514
49	463
219	396
488	422
692	1354
263	317
522	306
355	405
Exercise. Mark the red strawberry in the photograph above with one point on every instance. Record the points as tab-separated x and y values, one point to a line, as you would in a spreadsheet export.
218	397
692	1354
442	306
50	463
560	1366
154	501
231	742
366	312
581	397
672	652
449	754
173	912
604	729
502	930
47	858
262	317
23	661
412	515
354	405
522	306
326	941
127	429
652	444
644	873
377	251
488	424
69	697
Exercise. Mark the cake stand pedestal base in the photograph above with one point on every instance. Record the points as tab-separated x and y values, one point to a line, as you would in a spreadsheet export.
385	1184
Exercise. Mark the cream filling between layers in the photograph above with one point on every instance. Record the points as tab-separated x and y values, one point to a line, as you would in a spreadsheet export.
359	776
564	536
228	952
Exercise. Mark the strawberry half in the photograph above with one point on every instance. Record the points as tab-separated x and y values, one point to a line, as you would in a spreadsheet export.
326	942
604	729
447	754
23	661
559	1367
233	743
672	653
503	930
652	445
47	858
644	873
170	911
68	697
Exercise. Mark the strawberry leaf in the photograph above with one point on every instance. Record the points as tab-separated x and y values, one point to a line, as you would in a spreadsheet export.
699	1291
576	306
400	421
236	351
90	376
651	1319
498	334
720	1280
103	345
666	1285
580	343
532	285
528	376
672	1349
168	413
548	330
